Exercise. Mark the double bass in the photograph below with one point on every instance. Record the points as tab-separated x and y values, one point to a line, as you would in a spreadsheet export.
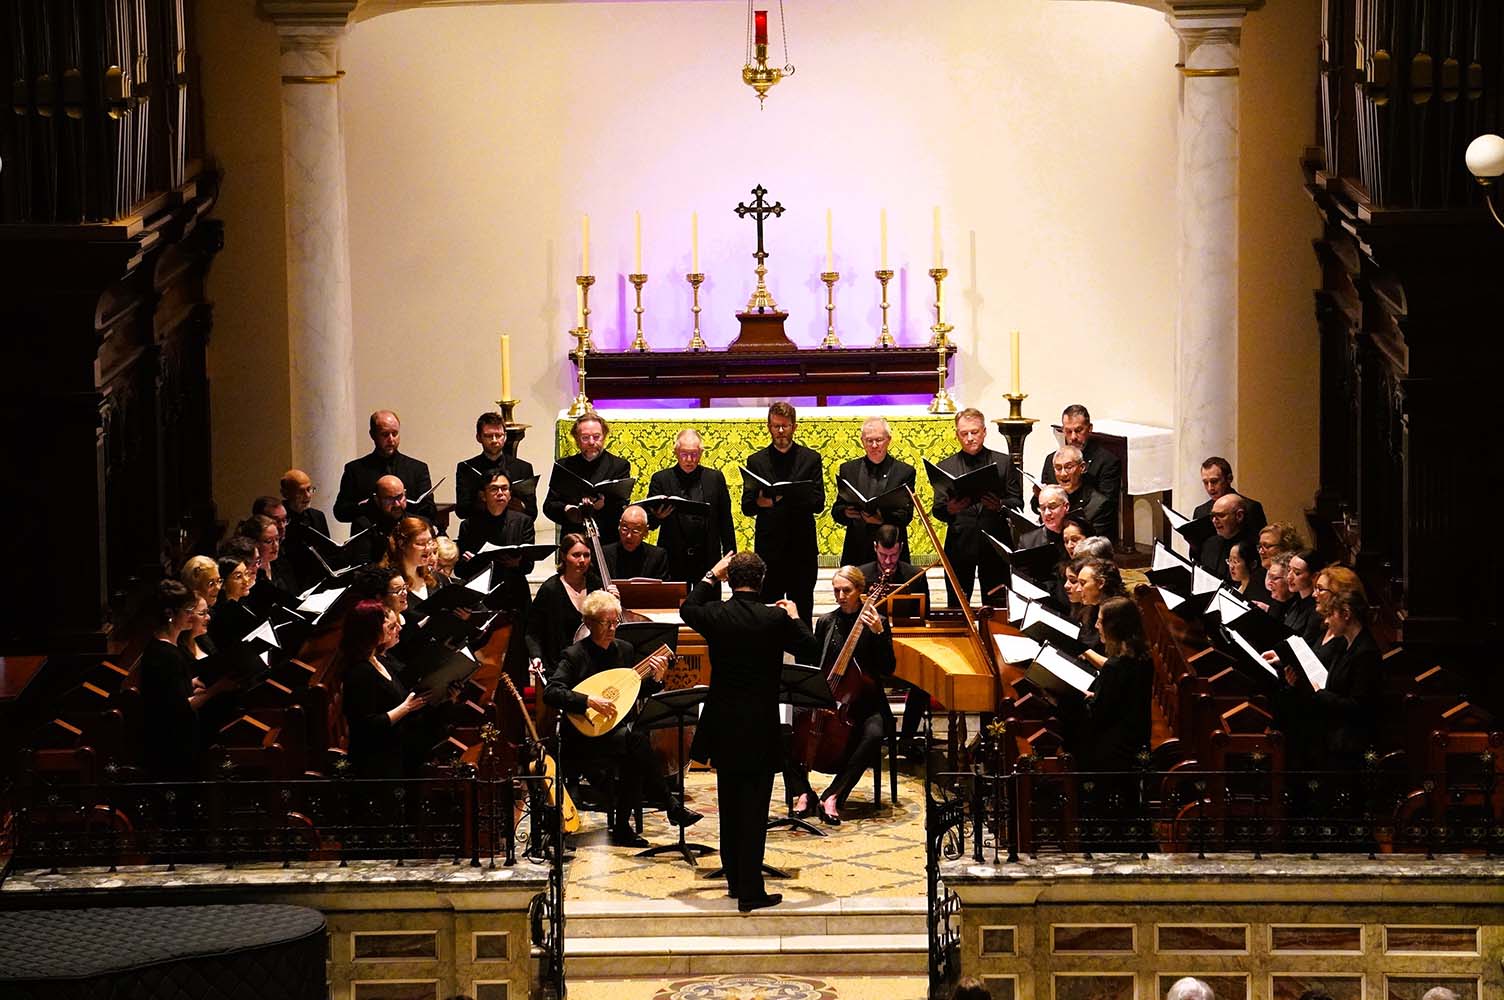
822	735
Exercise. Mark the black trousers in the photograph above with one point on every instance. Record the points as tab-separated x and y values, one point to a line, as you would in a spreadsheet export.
866	743
638	770
743	798
968	566
791	578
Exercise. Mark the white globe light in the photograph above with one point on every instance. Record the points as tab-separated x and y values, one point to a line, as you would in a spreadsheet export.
1485	156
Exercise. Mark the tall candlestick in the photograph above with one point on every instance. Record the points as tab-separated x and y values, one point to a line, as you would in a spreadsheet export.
939	249
882	241
585	245
1013	344
579	305
694	241
830	261
637	242
506	367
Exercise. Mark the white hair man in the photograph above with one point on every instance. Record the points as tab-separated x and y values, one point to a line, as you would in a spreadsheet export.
694	541
1190	988
874	474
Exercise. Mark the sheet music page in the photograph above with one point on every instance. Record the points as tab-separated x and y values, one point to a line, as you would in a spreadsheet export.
265	633
1027	515
1228	606
1203	582
1172	600
1002	545
1017	648
1315	671
1018	605
1023	588
1165	559
1061	666
1062	625
1253	655
663	617
1176	518
322	601
482	582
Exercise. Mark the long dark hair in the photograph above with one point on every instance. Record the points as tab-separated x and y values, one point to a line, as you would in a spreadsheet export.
362	630
1122	628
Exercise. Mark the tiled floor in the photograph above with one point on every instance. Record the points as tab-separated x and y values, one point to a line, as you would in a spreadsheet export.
706	988
872	853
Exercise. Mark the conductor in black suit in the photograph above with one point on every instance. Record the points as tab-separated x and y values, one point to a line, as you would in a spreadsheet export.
1102	471
967	550
594	464
694	542
785	532
630	556
738	730
872	475
358	484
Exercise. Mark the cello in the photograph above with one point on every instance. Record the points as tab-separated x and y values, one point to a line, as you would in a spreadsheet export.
822	735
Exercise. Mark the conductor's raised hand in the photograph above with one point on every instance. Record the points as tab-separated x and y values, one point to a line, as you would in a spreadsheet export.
720	568
788	606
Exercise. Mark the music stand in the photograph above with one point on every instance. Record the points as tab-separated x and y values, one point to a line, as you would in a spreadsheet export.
662	710
799	686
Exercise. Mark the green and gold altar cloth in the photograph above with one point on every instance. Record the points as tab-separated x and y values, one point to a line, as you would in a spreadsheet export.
645	438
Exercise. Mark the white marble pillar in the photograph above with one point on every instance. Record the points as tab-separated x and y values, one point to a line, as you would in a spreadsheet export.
325	431
1206	337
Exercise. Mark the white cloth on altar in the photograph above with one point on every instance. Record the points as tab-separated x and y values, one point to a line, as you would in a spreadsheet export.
1151	454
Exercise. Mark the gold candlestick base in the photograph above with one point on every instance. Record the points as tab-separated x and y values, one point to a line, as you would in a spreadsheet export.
830	278
584	281
696	343
515	431
762	299
581	402
1015	427
639	343
943	402
885	339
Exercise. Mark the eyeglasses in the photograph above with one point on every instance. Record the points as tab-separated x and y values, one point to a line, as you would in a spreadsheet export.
199	614
392	500
1054	505
398	591
631	529
241	574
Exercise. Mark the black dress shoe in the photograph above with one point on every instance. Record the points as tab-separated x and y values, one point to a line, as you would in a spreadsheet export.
626	838
680	816
805	813
770	899
829	818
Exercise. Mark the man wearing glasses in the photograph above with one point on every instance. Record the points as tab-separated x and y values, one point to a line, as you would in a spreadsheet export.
1086	503
387	506
969	554
694	542
1230	520
872	475
632	557
303	519
1054	506
385	461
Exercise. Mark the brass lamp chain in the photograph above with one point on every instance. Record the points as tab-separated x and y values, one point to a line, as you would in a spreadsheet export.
748	60
783	26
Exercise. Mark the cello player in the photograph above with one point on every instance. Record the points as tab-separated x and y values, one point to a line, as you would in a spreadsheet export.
869	714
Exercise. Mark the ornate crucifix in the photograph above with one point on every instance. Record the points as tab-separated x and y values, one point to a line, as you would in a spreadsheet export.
762	299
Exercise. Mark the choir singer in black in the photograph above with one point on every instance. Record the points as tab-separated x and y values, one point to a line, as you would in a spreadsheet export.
738	730
472	475
969	554
872	475
694	541
593	464
358	483
785	533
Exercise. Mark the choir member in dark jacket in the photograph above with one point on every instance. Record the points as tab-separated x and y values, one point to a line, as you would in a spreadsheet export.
639	772
496	523
594	464
694	542
230	619
785	533
872	475
738	730
1054	508
870	715
1216	479
630	556
1342	713
1097	582
169	702
1300	578
885	545
303	519
1103	473
968	552
1243	573
1229	515
376	704
1279	597
472	475
358	483
409	553
555	615
1086	503
1118	712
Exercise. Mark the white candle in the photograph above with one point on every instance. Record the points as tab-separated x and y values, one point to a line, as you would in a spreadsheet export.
694	242
637	242
939	251
1013	344
585	245
882	242
506	367
830	255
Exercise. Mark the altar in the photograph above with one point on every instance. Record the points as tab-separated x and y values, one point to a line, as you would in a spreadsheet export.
645	438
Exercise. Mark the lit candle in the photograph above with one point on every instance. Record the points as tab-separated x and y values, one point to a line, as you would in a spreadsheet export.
760	21
939	251
637	242
882	242
585	245
694	242
1013	344
830	255
506	367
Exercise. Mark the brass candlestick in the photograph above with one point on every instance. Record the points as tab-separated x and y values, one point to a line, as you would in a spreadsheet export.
885	339
942	402
830	278
581	402
515	431
762	299
1015	427
696	343
584	281
638	280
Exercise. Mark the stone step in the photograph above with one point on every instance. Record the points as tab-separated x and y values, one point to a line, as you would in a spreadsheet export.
847	987
670	918
824	954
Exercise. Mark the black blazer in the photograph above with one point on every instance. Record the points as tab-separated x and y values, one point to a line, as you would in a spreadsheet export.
785	532
1041	536
606	466
358	484
746	640
1104	473
297	548
1118	718
693	543
551	623
512	528
1253	518
169	724
649	560
1095	509
872	480
1348	706
471	476
583	659
963	539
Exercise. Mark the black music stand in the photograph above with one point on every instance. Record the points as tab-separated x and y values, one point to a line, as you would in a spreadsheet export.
799	686
662	710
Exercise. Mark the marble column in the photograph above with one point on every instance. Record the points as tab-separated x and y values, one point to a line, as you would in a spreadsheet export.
325	429
1206	331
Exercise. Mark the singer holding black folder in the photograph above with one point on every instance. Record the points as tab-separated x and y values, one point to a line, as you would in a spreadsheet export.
1117	724
358	483
695	538
880	477
1335	722
785	533
593	464
472	475
968	517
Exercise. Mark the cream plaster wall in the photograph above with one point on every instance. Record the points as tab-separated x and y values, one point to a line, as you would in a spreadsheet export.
476	136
